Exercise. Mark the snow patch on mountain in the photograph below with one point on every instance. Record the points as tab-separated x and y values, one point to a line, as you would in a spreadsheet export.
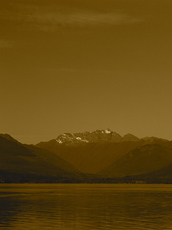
107	131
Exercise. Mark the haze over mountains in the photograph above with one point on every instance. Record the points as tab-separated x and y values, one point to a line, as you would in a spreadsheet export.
100	156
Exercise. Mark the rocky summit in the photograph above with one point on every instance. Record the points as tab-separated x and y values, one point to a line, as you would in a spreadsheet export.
98	136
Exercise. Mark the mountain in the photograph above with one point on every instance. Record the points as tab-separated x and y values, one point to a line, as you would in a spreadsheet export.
144	159
24	163
97	136
102	156
130	137
91	152
101	136
91	157
154	139
8	137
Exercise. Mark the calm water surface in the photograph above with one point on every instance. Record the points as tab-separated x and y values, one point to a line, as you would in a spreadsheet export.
85	206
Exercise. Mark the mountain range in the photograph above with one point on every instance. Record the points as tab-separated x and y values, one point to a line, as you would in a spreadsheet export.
101	156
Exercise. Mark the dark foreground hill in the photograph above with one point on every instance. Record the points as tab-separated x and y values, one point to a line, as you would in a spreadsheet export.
24	163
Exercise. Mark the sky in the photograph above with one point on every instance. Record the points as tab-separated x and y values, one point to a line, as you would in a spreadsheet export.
83	65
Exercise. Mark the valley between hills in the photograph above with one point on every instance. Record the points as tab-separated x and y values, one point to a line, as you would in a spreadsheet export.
102	156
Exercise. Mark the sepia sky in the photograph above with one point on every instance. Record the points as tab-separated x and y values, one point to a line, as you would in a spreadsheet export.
82	65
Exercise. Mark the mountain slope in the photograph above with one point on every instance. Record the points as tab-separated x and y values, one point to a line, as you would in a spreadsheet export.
8	137
21	162
142	160
90	157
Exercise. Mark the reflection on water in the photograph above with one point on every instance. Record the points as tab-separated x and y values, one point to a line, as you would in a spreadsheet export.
85	206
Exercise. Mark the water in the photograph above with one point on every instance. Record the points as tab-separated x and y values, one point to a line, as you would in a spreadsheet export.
85	206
